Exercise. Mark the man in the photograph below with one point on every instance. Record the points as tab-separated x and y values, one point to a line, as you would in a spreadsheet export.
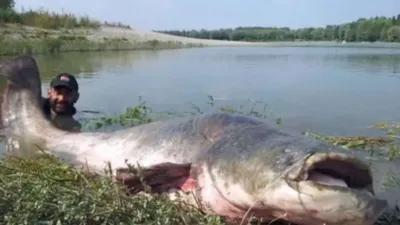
58	107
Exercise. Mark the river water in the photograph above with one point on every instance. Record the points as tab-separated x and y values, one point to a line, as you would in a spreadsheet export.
336	91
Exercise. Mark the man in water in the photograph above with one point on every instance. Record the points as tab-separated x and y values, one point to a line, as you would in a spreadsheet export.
58	107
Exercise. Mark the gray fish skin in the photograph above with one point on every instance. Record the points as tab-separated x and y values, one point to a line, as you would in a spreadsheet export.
237	162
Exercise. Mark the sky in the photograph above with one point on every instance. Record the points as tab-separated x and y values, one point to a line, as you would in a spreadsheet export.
214	14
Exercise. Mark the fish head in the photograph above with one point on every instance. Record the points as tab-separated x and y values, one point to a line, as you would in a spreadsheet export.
287	180
327	188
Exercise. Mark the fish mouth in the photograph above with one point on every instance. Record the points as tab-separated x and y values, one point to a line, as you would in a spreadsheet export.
335	170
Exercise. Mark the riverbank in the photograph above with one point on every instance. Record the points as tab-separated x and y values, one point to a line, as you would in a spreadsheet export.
20	39
40	32
145	35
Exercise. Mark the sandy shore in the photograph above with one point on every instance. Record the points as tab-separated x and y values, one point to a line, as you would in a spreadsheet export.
13	31
145	35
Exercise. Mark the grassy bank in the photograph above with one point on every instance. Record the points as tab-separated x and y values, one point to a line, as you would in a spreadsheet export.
17	40
43	32
57	45
47	191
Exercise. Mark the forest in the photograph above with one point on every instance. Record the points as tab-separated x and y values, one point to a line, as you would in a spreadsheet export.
379	28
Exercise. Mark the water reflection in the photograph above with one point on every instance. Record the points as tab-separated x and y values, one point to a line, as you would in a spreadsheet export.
88	64
373	62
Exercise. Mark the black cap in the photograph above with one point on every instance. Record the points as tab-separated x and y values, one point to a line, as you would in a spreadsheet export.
65	79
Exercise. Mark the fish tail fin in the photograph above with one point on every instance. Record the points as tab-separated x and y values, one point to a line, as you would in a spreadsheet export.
22	119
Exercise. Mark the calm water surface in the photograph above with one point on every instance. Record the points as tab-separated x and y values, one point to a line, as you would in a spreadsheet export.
336	91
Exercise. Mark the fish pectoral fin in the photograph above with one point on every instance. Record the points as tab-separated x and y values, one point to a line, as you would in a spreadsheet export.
159	178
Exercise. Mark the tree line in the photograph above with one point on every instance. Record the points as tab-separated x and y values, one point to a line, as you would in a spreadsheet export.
379	28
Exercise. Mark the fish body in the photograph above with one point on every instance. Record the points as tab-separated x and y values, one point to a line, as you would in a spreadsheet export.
236	165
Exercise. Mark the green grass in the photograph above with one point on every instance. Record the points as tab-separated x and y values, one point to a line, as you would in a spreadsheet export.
46	191
19	40
80	44
43	32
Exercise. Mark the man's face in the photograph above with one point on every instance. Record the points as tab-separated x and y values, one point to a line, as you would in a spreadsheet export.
62	99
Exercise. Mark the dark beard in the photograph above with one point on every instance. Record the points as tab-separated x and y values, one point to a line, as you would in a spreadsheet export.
66	110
